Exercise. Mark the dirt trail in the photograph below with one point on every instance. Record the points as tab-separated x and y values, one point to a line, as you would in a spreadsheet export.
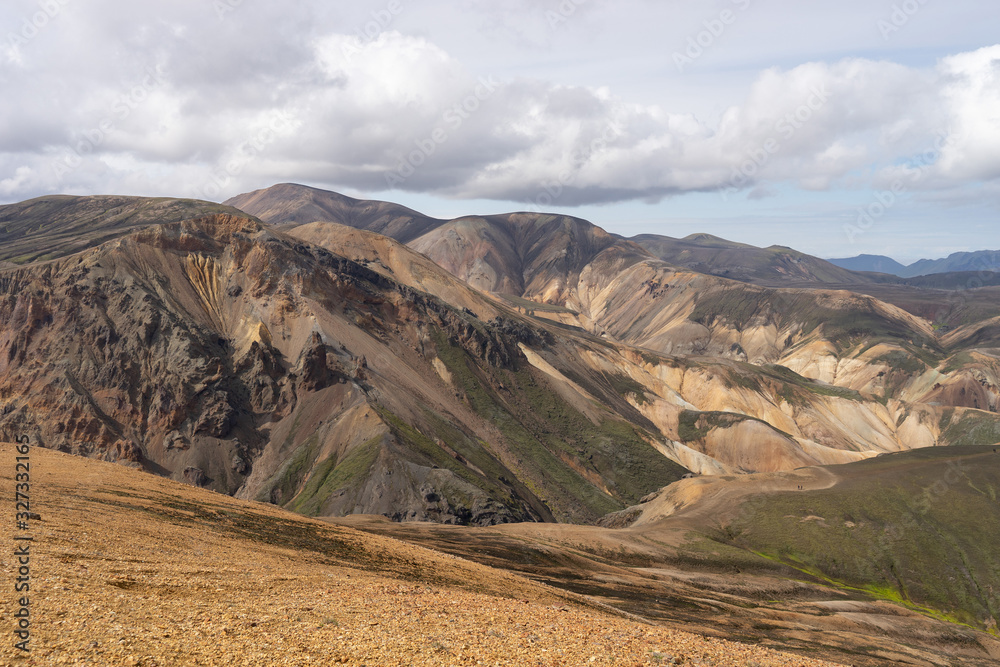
703	501
671	568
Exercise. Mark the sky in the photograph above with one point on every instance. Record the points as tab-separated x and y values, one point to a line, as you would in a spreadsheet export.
861	126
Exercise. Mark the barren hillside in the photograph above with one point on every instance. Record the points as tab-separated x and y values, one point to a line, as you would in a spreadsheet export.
132	569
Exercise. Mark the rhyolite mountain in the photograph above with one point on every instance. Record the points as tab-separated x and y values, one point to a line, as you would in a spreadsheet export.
517	367
224	353
55	226
341	357
571	271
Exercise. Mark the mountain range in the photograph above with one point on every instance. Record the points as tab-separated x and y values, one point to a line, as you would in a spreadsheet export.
982	262
341	357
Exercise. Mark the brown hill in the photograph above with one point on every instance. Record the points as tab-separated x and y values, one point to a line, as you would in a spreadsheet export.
773	266
60	225
288	205
223	353
886	561
131	569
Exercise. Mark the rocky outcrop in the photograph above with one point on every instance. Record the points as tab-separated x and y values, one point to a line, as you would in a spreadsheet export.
227	355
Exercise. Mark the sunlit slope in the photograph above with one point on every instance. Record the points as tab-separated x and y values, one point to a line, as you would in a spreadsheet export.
59	225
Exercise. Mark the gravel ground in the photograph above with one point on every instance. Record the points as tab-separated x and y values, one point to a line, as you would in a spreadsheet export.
131	569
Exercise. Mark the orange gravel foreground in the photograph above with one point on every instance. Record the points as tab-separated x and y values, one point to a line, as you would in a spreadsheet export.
131	569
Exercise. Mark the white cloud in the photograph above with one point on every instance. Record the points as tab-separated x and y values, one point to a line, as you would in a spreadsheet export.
114	97
971	96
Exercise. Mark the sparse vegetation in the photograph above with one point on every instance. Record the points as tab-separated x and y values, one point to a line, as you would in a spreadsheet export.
973	427
918	528
333	475
568	452
528	305
903	362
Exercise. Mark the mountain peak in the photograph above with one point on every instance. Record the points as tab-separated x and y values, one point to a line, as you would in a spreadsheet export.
289	205
709	240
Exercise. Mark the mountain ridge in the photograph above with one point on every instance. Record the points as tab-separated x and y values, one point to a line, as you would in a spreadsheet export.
981	261
332	370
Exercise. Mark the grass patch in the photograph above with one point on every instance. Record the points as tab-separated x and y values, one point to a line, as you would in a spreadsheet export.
920	528
580	470
958	361
285	483
333	475
972	428
903	362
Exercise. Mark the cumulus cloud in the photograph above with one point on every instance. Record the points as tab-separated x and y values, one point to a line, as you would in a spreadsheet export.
193	101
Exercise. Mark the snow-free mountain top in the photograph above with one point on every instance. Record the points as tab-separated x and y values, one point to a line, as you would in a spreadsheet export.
980	261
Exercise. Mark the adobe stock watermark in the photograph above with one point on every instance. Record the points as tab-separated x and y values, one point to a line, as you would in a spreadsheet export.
562	13
370	31
784	129
899	16
279	123
32	26
225	7
553	189
91	140
884	200
715	27
452	119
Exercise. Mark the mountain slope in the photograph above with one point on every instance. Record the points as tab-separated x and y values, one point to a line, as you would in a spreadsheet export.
287	205
141	570
917	528
776	265
56	226
872	263
226	354
398	262
887	561
534	256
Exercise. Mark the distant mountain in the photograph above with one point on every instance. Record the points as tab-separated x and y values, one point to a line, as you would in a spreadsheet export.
980	261
872	263
776	265
288	205
983	260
